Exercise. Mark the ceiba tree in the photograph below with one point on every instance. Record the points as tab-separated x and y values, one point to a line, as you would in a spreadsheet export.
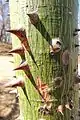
45	57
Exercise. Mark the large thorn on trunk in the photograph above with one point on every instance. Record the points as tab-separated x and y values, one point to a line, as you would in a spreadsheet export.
24	66
34	18
19	50
15	83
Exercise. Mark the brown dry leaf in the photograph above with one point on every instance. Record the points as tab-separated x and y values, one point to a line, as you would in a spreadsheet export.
43	89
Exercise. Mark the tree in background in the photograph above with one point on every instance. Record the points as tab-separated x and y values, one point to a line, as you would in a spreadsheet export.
4	21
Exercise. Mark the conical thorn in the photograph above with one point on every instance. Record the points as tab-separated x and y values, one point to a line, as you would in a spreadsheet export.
19	50
77	29
75	34
24	66
76	45
15	83
60	109
34	18
20	33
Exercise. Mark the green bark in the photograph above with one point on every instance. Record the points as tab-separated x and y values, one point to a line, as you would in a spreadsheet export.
57	18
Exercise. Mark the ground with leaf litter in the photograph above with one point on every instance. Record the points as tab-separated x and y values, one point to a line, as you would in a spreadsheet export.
9	105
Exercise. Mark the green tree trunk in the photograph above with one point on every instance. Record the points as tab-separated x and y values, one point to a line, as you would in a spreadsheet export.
57	18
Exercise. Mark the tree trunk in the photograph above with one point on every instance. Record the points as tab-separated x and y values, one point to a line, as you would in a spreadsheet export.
56	18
